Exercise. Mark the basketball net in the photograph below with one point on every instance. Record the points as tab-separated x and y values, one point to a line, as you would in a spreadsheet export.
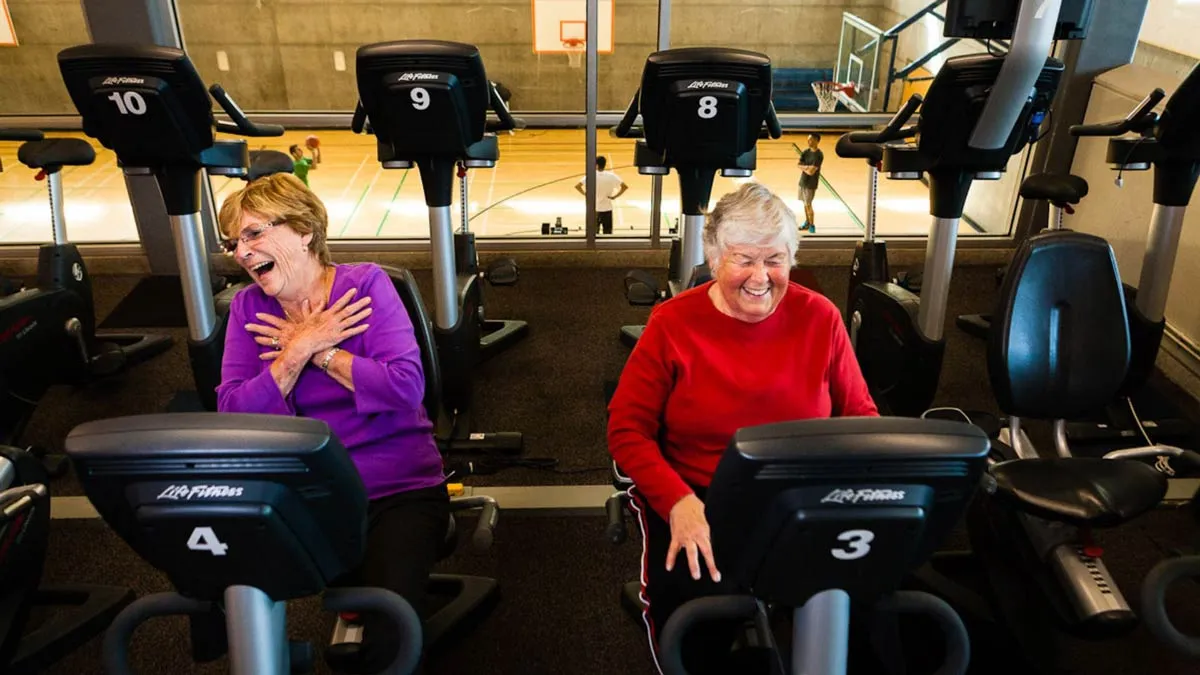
575	50
827	95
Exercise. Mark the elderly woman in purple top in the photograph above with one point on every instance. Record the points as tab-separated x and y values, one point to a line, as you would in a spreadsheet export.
334	343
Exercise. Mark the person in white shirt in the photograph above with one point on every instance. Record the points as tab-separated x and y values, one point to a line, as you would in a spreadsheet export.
606	182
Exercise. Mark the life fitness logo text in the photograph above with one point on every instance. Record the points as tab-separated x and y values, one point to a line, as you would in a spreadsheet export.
110	81
190	492
847	496
18	330
708	84
418	77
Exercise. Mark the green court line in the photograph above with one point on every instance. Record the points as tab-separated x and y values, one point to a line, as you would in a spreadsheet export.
388	211
355	209
849	210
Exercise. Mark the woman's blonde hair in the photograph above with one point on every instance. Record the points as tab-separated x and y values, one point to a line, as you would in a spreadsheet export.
280	197
751	215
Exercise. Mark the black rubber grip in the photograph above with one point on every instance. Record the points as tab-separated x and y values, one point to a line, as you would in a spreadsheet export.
700	610
1141	118
397	609
507	123
120	631
774	128
1154	603
243	125
485	528
626	124
615	508
958	643
850	148
359	121
20	135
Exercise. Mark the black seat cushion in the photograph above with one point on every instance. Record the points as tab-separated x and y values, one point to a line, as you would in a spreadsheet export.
268	162
701	274
1055	187
487	148
410	295
1059	342
1083	491
54	153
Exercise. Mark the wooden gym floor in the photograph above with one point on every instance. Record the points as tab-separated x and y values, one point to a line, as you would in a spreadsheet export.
534	182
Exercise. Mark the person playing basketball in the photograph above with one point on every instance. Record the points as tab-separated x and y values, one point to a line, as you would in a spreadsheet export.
301	164
810	177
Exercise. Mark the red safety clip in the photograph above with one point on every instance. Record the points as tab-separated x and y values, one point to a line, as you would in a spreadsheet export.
1090	548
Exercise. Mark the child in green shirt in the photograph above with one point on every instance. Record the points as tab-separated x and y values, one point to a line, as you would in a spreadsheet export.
301	164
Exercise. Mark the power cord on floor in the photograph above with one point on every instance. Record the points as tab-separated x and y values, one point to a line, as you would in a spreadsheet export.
1162	462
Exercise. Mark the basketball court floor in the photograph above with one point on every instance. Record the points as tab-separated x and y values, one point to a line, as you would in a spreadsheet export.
533	183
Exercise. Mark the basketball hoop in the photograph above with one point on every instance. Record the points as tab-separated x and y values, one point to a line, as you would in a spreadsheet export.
574	48
827	95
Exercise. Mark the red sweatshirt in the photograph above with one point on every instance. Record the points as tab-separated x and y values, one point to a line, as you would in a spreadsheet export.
698	375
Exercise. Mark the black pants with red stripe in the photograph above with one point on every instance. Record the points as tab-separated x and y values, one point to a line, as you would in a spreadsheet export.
706	647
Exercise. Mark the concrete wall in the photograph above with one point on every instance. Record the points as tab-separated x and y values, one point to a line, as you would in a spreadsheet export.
281	53
29	77
280	63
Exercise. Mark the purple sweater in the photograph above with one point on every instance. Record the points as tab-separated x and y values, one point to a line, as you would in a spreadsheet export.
382	423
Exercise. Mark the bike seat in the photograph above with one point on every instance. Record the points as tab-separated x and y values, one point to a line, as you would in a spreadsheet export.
1081	491
269	162
1054	187
53	154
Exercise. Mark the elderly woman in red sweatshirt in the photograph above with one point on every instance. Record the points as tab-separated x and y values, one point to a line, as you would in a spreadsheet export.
748	348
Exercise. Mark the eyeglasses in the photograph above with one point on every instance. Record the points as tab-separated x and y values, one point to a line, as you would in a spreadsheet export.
248	235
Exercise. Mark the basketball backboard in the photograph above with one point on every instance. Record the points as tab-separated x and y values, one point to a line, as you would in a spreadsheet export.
560	25
8	35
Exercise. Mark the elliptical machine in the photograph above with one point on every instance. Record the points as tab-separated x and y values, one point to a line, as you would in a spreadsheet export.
48	333
149	105
712	124
426	102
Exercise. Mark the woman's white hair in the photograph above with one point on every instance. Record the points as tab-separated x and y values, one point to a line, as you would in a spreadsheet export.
752	215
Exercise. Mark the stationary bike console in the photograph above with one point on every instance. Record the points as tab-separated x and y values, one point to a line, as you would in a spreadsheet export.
797	521
242	513
703	110
150	106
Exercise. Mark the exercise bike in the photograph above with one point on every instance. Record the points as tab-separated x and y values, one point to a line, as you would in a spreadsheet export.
965	134
870	261
435	118
1062	192
1169	143
48	333
80	611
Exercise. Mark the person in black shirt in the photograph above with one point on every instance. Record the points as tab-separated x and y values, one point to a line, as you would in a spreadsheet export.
810	177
